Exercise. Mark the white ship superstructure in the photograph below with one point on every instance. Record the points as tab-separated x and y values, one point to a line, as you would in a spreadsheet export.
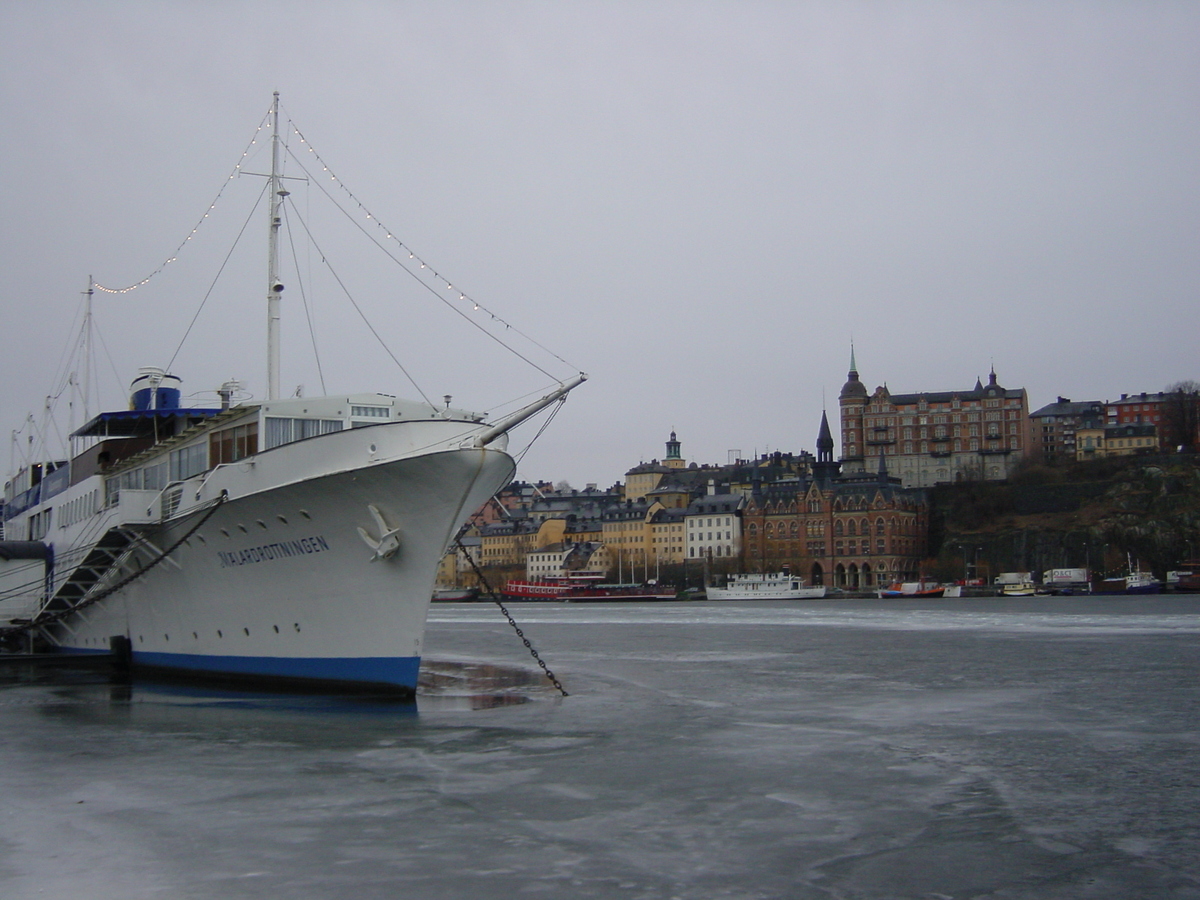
290	539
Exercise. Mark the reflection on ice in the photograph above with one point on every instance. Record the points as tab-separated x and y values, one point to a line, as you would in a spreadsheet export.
446	685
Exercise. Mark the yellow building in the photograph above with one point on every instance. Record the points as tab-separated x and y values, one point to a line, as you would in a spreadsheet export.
1116	440
667	536
642	480
627	533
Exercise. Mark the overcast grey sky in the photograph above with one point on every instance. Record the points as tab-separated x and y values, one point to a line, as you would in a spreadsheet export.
700	204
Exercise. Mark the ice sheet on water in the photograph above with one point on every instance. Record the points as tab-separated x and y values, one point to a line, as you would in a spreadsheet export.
810	750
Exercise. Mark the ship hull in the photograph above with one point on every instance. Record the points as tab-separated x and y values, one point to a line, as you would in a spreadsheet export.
280	584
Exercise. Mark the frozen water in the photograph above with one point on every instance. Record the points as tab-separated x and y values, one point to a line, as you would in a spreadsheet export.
834	749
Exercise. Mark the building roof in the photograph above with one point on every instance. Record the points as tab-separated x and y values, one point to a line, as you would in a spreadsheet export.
716	503
1065	407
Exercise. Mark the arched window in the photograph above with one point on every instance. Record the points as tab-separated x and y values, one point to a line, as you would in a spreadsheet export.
851	527
879	526
837	528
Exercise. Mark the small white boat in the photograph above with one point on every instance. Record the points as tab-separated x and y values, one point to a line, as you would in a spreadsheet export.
772	586
1021	589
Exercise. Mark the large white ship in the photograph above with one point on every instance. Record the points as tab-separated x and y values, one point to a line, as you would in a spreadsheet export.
292	539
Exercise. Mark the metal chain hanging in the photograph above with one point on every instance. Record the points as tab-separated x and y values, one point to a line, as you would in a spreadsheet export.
495	598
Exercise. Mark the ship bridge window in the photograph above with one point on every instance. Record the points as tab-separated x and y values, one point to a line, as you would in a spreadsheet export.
371	412
284	431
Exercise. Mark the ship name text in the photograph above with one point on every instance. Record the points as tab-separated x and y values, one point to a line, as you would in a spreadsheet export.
270	552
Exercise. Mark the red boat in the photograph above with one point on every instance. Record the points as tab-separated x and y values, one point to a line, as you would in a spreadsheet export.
913	589
584	590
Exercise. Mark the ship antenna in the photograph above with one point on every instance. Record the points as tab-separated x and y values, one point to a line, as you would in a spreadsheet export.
274	288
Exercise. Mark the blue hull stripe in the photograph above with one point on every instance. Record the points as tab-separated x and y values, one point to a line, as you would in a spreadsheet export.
400	671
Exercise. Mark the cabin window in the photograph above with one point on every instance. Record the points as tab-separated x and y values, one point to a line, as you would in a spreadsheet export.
39	524
232	444
188	461
371	412
284	431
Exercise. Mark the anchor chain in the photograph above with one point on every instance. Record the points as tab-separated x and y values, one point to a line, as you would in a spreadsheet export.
43	619
495	598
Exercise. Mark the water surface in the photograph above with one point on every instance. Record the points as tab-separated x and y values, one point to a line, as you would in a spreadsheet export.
1036	748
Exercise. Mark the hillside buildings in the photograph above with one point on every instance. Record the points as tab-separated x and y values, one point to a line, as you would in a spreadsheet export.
1134	424
1057	428
937	437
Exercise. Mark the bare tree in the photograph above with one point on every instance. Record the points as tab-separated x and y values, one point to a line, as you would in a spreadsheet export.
1181	416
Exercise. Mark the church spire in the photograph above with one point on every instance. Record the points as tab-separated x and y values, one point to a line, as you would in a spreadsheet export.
824	441
825	469
853	388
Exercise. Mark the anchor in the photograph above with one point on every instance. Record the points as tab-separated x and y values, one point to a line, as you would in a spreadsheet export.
389	538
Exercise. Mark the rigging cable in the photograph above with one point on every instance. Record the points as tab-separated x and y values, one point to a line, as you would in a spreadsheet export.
437	293
217	277
358	309
312	331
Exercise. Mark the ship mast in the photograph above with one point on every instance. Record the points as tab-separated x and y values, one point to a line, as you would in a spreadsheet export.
274	288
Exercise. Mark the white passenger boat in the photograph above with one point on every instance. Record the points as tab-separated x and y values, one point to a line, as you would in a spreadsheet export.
286	540
776	586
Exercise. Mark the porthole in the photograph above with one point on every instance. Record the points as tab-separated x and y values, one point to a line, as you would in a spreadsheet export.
304	512
195	636
282	519
219	633
246	631
224	532
141	639
242	528
276	627
200	538
261	524
166	637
